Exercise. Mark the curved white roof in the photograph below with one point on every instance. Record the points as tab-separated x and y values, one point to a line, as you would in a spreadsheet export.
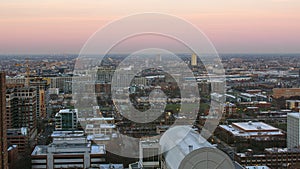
185	148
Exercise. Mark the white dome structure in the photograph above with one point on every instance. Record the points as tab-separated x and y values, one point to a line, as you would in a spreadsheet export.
186	149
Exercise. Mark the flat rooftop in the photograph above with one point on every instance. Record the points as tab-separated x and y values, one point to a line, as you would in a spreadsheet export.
257	167
295	115
254	129
292	101
99	137
63	111
39	150
102	126
77	133
254	126
247	95
68	110
254	155
94	149
282	150
109	166
97	119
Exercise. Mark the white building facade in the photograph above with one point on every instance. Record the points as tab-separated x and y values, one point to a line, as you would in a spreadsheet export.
293	124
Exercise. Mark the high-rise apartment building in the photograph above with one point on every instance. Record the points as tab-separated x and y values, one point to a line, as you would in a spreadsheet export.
11	108
21	116
3	137
293	125
42	95
26	103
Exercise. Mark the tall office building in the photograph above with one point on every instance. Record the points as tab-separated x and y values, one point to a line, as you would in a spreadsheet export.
293	125
3	137
194	60
42	95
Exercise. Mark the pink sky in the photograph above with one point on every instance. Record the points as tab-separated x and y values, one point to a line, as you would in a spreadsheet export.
234	26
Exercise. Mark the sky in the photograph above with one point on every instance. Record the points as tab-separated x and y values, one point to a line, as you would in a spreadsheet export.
233	26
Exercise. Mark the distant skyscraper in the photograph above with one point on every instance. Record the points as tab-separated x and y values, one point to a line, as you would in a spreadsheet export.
293	125
158	58
194	60
3	136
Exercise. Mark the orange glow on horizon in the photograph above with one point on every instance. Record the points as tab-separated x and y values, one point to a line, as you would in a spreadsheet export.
233	26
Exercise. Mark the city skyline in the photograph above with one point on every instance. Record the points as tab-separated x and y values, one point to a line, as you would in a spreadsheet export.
252	128
48	27
149	84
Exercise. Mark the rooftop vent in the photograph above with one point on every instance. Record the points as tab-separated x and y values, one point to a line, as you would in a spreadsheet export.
191	148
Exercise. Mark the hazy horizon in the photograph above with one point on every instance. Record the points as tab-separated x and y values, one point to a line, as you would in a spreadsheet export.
125	53
61	26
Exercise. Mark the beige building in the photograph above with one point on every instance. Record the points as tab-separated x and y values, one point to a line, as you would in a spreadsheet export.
194	60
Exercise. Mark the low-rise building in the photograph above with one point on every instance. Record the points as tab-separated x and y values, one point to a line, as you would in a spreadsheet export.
293	104
285	92
101	125
12	155
70	149
21	138
111	166
252	130
256	135
66	119
149	154
271	157
257	167
183	146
